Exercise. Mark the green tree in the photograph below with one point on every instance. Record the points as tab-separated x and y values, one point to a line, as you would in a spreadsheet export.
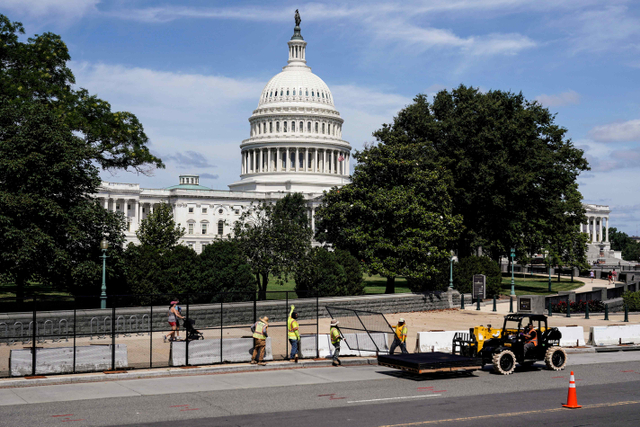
224	272
621	241
51	138
328	273
274	238
464	270
513	170
159	229
395	216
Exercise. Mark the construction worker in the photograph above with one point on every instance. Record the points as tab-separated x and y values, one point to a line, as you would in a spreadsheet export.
259	340
530	337
336	337
293	334
400	337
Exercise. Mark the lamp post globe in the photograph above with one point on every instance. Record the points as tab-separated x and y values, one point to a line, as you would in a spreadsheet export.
104	245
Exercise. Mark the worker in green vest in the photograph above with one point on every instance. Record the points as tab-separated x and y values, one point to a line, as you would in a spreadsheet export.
293	334
259	340
336	337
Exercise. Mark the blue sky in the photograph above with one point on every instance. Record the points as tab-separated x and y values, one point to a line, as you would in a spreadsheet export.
192	71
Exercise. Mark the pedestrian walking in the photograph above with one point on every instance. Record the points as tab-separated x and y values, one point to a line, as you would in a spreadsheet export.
336	337
610	278
174	315
293	334
259	340
400	337
592	274
614	275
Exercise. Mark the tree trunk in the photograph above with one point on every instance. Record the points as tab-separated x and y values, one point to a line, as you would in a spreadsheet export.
559	271
391	285
571	274
262	289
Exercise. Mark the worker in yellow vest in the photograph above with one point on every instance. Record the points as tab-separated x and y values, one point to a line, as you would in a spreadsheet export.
259	340
293	334
336	337
400	337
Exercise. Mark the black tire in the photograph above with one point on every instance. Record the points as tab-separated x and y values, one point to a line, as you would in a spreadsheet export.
504	362
555	358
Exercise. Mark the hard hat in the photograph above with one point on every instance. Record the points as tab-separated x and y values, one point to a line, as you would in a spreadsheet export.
401	320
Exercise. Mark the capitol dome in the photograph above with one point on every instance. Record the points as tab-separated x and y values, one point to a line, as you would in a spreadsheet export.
295	141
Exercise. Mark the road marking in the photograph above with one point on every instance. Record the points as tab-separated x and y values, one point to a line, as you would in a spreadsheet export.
511	414
422	396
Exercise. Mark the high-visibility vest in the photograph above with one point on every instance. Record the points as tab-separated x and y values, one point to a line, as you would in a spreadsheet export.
335	335
534	337
292	329
401	332
260	330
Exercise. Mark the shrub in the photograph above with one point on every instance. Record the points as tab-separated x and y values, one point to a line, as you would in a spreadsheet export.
595	306
464	270
330	273
632	300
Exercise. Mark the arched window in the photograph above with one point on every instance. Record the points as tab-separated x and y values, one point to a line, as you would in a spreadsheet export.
270	127
264	128
204	227
307	92
280	92
220	227
316	127
294	92
284	126
323	128
271	94
287	92
322	95
308	126
293	126
312	93
301	126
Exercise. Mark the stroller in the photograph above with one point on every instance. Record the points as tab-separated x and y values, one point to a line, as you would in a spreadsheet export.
192	333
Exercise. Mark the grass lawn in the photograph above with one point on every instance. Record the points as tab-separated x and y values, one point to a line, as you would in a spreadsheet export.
373	285
7	291
538	285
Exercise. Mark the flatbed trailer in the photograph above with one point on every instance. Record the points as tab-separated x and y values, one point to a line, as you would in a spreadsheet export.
424	363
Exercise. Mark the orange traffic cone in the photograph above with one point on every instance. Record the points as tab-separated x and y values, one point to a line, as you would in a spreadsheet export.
572	399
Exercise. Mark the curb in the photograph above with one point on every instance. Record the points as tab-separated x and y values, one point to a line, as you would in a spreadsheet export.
178	372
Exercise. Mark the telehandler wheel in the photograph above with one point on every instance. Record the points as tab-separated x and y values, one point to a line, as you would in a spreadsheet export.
555	358
504	362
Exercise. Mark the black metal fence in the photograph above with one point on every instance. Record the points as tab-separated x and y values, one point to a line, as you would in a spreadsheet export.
66	335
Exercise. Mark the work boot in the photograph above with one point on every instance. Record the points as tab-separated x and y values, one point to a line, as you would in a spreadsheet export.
335	363
295	359
339	362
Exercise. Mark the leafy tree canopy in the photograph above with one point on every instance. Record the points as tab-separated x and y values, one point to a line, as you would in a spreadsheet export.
224	271
329	274
396	214
159	229
274	238
621	241
37	71
513	170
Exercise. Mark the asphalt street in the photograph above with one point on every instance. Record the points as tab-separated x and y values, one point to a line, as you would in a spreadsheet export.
608	387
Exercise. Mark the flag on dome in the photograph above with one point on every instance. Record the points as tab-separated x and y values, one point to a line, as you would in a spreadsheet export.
341	158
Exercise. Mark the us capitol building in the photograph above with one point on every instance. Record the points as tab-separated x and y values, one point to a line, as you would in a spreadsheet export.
295	145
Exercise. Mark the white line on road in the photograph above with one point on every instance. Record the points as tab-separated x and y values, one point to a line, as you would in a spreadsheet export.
395	398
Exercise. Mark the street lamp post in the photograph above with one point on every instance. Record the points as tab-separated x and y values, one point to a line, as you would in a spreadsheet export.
104	245
451	271
549	278
513	257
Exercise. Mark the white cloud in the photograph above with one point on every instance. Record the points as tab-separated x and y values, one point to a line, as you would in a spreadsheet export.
50	10
565	98
617	132
611	27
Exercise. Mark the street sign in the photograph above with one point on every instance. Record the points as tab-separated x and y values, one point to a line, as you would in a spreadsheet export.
479	286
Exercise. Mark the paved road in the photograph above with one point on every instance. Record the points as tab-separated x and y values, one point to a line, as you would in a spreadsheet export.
356	396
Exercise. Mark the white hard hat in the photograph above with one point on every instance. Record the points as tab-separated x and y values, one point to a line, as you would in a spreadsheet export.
401	320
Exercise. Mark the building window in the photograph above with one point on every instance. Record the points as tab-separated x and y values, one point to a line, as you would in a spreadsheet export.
308	126
284	126
128	206
316	127
204	210
312	93
293	126
190	245
143	210
190	209
301	126
294	92
323	128
287	92
307	92
237	211
204	245
277	126
220	211
204	228
190	228
220	227
270	127
280	92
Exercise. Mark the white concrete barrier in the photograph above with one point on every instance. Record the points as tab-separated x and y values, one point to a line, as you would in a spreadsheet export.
611	335
308	346
572	336
207	352
362	340
59	360
436	341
